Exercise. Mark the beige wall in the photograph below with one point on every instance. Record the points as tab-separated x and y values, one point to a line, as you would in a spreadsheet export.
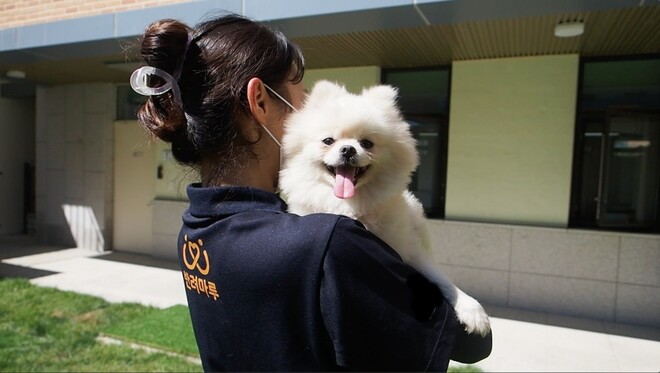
147	210
606	276
15	13
175	177
134	186
511	140
354	78
74	146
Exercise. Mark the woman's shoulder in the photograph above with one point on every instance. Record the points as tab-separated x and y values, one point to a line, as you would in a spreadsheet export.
338	232
352	242
344	232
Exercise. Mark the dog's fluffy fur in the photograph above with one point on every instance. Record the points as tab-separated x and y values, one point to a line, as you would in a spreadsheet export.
354	155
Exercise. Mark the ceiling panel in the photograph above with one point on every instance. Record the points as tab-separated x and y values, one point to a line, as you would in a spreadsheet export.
615	32
607	33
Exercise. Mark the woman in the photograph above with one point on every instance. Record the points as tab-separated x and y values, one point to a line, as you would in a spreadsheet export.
268	290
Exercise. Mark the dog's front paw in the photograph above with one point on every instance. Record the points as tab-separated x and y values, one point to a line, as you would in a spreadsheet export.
472	315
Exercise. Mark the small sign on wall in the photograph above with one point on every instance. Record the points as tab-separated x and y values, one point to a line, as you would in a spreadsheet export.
167	155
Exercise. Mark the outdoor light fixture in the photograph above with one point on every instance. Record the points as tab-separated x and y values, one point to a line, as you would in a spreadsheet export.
15	74
568	29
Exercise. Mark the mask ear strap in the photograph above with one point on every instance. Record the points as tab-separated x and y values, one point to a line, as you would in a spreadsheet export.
280	97
139	83
279	145
270	134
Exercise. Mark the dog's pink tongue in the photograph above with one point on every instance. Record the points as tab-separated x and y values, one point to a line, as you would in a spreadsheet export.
344	187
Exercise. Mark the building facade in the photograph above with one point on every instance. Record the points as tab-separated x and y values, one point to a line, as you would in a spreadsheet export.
540	157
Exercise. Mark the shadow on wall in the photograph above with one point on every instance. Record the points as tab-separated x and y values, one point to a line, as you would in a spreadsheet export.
84	227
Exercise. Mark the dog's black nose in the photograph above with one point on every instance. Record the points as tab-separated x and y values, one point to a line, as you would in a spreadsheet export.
347	151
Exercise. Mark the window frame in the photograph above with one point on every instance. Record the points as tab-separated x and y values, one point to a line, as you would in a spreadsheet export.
581	119
439	177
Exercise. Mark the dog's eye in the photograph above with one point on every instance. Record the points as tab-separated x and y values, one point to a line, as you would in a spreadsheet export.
328	141
366	144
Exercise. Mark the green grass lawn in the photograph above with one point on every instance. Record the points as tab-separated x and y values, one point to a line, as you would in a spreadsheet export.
465	369
169	329
44	329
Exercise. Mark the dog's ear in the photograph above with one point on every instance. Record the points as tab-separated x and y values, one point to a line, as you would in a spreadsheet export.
323	91
384	98
383	93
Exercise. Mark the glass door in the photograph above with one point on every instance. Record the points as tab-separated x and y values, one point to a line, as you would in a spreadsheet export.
428	181
630	172
620	171
424	101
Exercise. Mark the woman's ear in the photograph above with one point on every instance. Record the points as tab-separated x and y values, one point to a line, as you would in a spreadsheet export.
257	99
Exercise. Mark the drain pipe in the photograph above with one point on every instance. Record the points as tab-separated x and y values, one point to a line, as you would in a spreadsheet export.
421	14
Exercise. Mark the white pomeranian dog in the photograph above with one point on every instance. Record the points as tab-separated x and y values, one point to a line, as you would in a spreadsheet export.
354	155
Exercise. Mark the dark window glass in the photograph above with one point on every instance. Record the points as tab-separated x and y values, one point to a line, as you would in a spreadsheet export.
617	159
128	102
424	100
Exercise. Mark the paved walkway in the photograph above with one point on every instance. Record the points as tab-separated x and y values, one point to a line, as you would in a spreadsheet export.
522	341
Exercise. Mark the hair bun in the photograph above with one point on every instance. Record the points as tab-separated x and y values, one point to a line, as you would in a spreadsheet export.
163	45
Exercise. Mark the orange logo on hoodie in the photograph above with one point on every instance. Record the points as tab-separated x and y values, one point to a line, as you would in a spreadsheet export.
193	251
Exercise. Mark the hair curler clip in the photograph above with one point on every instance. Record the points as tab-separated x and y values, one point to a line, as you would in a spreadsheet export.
139	83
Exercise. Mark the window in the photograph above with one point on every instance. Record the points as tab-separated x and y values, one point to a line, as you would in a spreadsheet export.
616	180
128	102
424	100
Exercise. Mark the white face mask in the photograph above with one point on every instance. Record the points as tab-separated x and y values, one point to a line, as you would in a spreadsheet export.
266	129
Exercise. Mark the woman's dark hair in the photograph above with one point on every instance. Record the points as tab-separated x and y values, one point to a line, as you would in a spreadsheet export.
215	60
